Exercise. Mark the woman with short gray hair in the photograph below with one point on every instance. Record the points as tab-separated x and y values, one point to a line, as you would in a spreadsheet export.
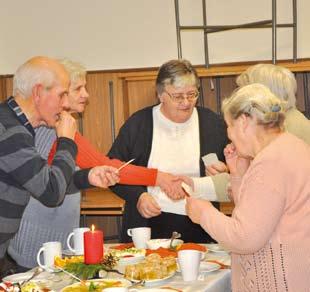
282	83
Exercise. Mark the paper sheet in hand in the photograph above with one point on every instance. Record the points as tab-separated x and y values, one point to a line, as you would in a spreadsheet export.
210	158
188	190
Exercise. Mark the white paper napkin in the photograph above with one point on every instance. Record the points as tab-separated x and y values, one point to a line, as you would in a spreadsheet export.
210	158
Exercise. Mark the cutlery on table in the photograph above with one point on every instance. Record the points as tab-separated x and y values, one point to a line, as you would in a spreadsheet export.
36	272
174	236
125	164
223	266
137	284
68	273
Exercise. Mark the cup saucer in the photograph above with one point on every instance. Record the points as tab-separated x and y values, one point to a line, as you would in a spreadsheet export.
69	252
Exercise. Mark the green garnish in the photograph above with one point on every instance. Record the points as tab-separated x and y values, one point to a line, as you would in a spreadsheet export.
84	271
92	287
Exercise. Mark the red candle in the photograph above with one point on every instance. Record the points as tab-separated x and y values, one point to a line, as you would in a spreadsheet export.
93	246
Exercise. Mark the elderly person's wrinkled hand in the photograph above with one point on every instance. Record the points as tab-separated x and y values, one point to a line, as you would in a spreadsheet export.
171	185
216	168
195	208
237	164
66	126
147	206
103	176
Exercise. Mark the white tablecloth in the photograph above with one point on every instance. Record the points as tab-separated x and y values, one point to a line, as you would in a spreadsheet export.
217	281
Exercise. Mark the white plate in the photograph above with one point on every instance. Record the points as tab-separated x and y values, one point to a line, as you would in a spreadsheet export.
161	242
217	248
124	282
16	278
155	281
130	260
127	256
69	252
205	267
203	255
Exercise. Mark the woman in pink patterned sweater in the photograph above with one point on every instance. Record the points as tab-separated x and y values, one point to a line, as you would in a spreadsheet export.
268	233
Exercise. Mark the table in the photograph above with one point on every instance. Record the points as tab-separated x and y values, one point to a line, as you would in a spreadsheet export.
217	281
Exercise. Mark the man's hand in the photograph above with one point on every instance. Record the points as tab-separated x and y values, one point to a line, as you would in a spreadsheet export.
103	176
171	185
216	168
66	126
147	206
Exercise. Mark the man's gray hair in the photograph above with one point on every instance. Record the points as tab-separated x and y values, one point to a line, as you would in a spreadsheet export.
28	75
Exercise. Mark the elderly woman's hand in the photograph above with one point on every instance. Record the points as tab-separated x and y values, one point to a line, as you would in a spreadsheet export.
237	165
216	168
147	206
195	208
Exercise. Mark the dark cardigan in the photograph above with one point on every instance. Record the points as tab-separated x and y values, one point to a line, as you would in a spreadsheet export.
135	141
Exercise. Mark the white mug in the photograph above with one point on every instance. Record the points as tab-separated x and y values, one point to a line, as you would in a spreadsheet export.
78	240
50	250
140	236
189	262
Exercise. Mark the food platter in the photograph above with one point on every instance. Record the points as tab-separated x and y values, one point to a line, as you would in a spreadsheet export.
97	284
128	256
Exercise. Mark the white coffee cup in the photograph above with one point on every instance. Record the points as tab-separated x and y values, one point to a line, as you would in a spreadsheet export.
78	240
50	250
140	236
189	262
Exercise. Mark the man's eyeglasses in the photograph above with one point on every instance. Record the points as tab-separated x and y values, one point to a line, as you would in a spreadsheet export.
179	98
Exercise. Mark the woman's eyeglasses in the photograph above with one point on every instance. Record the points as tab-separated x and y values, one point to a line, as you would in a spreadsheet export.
180	97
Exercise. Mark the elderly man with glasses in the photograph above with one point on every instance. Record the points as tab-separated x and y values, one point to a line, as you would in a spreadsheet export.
171	136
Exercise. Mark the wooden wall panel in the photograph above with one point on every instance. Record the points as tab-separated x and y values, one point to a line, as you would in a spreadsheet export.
6	87
207	91
300	101
2	89
213	86
97	116
140	94
9	86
